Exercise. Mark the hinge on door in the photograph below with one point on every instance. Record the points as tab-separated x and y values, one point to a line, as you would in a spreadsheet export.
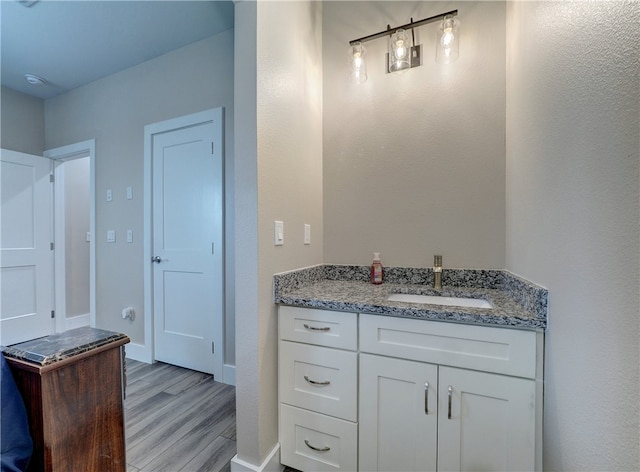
213	248
53	314
51	178
52	246
212	148
213	348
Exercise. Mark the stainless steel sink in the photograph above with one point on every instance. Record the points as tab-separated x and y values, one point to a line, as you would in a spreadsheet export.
438	300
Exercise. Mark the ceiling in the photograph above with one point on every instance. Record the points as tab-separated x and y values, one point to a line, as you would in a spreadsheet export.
73	43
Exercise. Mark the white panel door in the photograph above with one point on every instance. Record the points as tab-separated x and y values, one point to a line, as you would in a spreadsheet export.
26	258
486	422
188	245
398	414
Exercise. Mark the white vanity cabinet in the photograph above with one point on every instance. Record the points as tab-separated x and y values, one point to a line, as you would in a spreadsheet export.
422	407
318	389
379	393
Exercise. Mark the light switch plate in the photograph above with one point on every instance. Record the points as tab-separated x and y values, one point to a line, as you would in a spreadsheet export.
129	193
111	236
278	233
129	235
307	234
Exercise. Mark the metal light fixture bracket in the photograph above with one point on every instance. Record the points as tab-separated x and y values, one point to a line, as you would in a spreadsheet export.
416	57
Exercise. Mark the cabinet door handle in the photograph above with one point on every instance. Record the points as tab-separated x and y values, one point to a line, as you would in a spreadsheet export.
426	398
449	395
314	328
319	449
314	382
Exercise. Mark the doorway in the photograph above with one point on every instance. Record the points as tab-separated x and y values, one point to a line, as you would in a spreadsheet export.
184	241
74	210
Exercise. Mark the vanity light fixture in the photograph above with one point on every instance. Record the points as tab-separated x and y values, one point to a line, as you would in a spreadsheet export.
403	53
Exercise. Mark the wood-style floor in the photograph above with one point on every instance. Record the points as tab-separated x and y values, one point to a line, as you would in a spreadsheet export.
177	420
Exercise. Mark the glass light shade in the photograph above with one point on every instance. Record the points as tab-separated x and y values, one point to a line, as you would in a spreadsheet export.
358	64
448	40
399	51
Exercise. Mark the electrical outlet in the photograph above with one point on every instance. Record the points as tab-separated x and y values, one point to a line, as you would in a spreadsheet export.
111	236
129	313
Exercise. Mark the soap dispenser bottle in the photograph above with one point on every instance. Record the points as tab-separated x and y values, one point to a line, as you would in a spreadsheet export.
376	269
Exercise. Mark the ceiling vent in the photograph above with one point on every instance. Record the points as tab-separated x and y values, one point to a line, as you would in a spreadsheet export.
34	79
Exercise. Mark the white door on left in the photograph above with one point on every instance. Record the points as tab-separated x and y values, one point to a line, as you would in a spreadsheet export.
26	258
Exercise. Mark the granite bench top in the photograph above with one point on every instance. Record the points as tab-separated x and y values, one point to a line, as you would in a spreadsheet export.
56	347
516	303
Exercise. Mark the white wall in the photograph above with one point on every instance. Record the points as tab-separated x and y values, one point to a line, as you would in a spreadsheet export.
279	176
414	161
76	214
573	152
114	111
21	122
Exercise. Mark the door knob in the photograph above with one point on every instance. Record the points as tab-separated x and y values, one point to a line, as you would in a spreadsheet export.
156	259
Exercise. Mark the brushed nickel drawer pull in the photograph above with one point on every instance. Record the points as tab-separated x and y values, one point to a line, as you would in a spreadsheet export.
313	328
449	394
319	449
426	398
313	382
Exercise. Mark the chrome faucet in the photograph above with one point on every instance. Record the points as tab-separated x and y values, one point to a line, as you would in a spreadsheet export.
437	272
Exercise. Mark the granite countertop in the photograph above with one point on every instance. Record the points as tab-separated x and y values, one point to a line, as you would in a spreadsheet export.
515	302
56	347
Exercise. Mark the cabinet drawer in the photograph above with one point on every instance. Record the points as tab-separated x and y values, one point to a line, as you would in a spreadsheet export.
500	350
321	327
319	379
311	441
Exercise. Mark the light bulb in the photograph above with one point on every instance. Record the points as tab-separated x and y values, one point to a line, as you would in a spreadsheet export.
399	47
447	38
447	47
358	64
400	50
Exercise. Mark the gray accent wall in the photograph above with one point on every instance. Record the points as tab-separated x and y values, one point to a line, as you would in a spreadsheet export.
414	161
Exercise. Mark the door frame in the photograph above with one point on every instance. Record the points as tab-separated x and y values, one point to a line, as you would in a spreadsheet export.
145	352
58	156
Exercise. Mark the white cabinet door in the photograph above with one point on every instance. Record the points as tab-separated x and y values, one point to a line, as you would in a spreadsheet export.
398	414
485	421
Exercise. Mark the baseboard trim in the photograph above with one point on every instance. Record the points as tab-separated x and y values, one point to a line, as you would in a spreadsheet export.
270	464
229	374
138	352
73	322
